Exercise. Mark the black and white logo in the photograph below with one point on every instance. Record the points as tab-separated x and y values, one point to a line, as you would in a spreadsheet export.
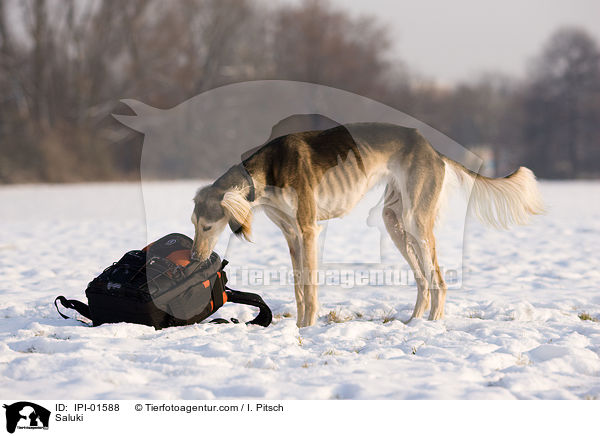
26	415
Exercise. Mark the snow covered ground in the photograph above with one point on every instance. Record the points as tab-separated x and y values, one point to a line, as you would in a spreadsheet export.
512	330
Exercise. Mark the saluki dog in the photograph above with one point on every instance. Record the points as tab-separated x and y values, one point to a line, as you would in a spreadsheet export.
302	178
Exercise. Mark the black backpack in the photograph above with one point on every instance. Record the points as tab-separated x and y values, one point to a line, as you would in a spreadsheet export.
161	286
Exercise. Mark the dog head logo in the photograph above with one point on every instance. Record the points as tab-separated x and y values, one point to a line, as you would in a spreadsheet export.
26	415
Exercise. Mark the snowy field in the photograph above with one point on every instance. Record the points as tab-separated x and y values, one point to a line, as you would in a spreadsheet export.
513	330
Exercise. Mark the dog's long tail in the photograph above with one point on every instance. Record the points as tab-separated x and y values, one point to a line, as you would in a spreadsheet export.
500	202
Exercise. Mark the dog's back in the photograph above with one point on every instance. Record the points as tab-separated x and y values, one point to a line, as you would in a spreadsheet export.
338	165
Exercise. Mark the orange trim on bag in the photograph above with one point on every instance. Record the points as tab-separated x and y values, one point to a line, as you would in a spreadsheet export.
224	297
180	257
206	283
219	274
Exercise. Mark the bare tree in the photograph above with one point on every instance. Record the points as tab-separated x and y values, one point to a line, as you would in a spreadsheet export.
316	43
64	66
562	113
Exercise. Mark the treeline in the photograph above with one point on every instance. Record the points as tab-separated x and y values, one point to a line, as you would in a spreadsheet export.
65	64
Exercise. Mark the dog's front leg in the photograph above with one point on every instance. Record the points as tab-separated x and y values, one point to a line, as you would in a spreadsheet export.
310	234
291	231
295	248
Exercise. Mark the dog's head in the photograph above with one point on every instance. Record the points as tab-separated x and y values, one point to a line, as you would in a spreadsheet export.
213	210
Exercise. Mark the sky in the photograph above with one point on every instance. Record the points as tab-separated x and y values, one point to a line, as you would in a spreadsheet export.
451	41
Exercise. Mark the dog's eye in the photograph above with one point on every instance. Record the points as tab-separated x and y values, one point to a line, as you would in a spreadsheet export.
206	228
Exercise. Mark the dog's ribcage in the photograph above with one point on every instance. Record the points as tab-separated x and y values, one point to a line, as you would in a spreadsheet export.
343	185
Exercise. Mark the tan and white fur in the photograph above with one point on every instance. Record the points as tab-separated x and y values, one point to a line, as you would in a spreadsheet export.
303	178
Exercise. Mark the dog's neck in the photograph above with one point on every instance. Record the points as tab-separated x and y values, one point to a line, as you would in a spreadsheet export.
239	178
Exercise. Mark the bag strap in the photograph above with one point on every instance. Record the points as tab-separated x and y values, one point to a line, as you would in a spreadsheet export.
264	317
81	308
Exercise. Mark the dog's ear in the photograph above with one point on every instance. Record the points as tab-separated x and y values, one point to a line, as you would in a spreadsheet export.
239	212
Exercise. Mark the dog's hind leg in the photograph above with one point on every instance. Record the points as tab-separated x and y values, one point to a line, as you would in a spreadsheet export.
392	217
421	241
423	189
438	288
